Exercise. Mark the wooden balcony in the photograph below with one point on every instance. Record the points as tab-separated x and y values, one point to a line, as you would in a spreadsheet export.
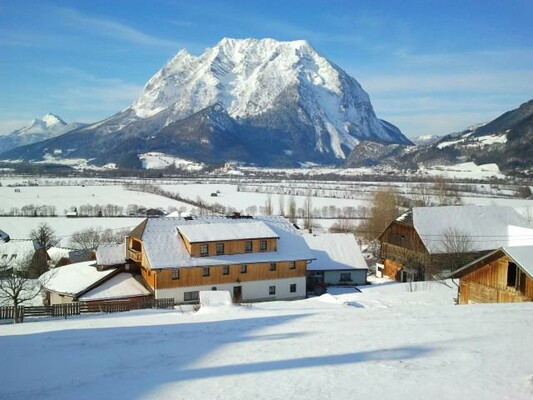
134	255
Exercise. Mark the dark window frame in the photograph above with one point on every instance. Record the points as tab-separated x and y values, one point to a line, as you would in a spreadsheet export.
272	290
292	288
220	249
244	268
263	245
206	271
273	266
202	247
248	246
175	274
225	270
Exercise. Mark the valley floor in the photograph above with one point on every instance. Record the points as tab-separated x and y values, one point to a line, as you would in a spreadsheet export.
386	342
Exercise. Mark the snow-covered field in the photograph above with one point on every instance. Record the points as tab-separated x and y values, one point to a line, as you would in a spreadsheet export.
384	343
65	197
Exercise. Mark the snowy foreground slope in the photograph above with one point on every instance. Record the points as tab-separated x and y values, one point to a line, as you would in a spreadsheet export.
383	343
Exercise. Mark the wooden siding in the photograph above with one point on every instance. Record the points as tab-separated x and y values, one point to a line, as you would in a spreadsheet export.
488	284
403	236
193	276
392	269
149	277
230	246
138	256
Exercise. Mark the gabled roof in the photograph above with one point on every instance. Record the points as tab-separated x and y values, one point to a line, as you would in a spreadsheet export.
122	285
16	250
521	255
222	231
334	251
138	231
73	279
165	249
4	237
487	227
111	254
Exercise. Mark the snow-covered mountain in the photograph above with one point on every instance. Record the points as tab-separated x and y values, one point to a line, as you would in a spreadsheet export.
425	140
507	141
245	94
50	125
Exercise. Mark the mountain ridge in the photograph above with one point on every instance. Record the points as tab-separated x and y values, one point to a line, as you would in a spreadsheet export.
285	91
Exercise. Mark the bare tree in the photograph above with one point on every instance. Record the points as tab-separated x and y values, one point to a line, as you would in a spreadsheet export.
281	203
268	205
44	236
308	212
88	240
292	209
16	284
457	249
384	210
446	193
342	225
422	195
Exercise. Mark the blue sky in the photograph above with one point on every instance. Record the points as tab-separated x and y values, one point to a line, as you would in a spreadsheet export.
428	66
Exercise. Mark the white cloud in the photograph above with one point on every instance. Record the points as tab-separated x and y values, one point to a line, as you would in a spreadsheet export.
112	29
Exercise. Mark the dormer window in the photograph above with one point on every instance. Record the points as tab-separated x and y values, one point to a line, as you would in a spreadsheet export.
204	250
220	249
262	245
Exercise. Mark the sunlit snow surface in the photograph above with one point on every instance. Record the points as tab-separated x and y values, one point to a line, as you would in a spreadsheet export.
386	342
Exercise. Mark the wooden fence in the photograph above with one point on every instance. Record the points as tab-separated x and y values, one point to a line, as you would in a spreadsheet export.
77	308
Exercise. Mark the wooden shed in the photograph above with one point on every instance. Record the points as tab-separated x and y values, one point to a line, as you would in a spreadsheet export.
502	276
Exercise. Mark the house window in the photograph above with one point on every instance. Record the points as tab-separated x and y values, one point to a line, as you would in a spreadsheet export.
248	246
190	296
175	274
346	277
292	288
292	265
225	270
262	245
206	271
271	290
220	249
511	274
204	250
244	268
272	266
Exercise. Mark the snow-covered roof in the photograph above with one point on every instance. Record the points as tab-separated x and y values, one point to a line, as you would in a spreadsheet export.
119	286
334	251
3	236
165	249
111	254
221	231
16	250
487	227
523	256
72	279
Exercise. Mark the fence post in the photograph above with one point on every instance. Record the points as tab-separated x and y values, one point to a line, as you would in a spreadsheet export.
21	314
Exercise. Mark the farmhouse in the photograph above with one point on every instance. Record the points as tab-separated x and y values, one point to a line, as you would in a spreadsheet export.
86	282
16	253
429	240
338	260
255	259
504	275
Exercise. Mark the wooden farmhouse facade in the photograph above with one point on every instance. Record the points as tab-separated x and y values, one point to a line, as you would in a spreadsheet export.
502	276
428	241
255	259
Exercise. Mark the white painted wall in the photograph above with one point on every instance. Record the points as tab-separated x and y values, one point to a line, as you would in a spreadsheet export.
251	291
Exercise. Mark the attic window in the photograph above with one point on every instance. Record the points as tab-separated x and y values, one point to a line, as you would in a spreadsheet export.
220	249
248	246
262	245
204	250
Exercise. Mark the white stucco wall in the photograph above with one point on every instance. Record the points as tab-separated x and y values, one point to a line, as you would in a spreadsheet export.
251	291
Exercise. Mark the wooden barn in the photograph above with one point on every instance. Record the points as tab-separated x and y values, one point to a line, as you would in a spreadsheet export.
502	276
427	241
255	259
